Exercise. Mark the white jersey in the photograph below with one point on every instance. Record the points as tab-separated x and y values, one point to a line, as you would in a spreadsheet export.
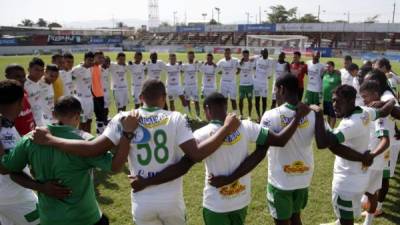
209	75
68	85
105	80
391	123
138	74
246	73
10	192
228	69
190	74
356	85
281	69
315	76
264	70
118	76
173	74
154	70
394	81
47	99
353	131
378	129
225	161
155	147
346	77
82	78
33	90
290	167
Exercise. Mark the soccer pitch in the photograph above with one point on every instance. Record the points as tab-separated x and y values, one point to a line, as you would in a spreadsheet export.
113	190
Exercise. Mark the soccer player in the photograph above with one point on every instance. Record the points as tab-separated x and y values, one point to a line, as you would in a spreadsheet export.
330	81
119	83
82	77
282	67
105	78
346	76
384	65
17	204
98	92
246	82
49	164
58	86
174	89
25	122
47	92
264	68
154	67
65	74
228	66
299	69
32	88
314	86
159	142
354	71
379	141
191	89
209	84
137	69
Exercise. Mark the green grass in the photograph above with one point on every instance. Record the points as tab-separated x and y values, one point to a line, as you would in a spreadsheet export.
114	191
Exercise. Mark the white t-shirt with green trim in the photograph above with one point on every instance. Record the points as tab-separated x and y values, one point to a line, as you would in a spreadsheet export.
82	79
155	147
228	69
190	74
246	73
264	70
377	130
225	161
353	132
290	167
209	76
315	76
118	76
391	123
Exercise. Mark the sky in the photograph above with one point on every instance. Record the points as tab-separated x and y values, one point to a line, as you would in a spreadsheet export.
232	11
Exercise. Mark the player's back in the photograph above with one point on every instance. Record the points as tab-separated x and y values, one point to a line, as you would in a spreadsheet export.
82	77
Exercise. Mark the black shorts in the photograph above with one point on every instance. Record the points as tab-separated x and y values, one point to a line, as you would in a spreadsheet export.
99	110
328	109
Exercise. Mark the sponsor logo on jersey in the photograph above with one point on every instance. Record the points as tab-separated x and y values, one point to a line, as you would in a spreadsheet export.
365	118
142	136
232	138
303	123
297	167
232	190
151	121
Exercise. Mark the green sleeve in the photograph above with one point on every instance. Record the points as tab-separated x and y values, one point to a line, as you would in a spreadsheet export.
339	137
17	159
103	162
381	133
262	136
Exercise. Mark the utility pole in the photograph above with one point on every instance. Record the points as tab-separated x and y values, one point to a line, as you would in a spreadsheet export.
394	11
175	12
319	11
248	17
218	12
204	17
259	14
348	16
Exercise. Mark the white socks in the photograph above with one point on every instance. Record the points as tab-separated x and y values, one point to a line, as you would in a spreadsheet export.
368	219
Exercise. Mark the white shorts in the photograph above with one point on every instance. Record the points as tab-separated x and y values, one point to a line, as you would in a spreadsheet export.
162	213
375	181
229	91
346	205
191	93
207	91
87	109
174	92
136	94
24	213
121	97
260	90
394	154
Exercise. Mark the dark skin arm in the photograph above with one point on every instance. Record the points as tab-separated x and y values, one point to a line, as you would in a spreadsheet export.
320	131
386	109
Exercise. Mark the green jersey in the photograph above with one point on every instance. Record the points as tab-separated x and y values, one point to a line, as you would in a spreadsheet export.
329	82
49	164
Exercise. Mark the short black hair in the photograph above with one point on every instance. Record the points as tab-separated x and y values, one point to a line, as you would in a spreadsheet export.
89	55
353	67
331	63
68	56
370	86
12	68
384	62
36	61
297	53
172	54
380	77
190	52
245	51
121	54
348	58
56	56
346	91
227	49
138	53
210	54
215	99
264	50
67	105
11	91
52	67
98	53
153	89
288	81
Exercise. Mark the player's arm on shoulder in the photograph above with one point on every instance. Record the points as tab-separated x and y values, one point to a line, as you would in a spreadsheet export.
321	134
386	109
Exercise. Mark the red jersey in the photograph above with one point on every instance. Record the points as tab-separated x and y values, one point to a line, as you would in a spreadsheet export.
299	70
25	123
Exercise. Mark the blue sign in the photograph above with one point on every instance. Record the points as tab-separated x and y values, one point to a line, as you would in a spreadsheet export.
267	27
195	29
324	52
114	40
97	40
8	41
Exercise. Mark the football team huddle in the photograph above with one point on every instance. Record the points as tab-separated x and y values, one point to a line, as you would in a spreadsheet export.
48	154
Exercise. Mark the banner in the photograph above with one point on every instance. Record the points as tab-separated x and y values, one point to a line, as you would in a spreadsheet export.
267	27
194	29
63	39
8	41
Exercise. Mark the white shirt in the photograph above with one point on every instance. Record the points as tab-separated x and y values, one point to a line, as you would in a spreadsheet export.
190	74
356	85
378	129
155	147
225	161
105	79
82	78
246	73
281	69
33	90
353	131
154	69
118	76
138	76
209	81
390	124
47	98
228	69
394	81
290	167
173	74
315	76
66	77
346	77
264	70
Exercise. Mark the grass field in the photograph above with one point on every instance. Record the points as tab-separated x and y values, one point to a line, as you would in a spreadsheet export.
114	191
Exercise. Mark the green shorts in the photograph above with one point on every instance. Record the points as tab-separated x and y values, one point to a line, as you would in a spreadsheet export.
283	204
386	174
245	92
236	217
312	98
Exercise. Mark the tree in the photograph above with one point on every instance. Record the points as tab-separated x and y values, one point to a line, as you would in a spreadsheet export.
213	22
120	24
26	23
41	22
308	18
372	19
280	14
165	24
340	21
54	24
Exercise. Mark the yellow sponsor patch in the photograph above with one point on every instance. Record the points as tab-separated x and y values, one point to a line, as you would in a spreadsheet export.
152	121
232	189
297	167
